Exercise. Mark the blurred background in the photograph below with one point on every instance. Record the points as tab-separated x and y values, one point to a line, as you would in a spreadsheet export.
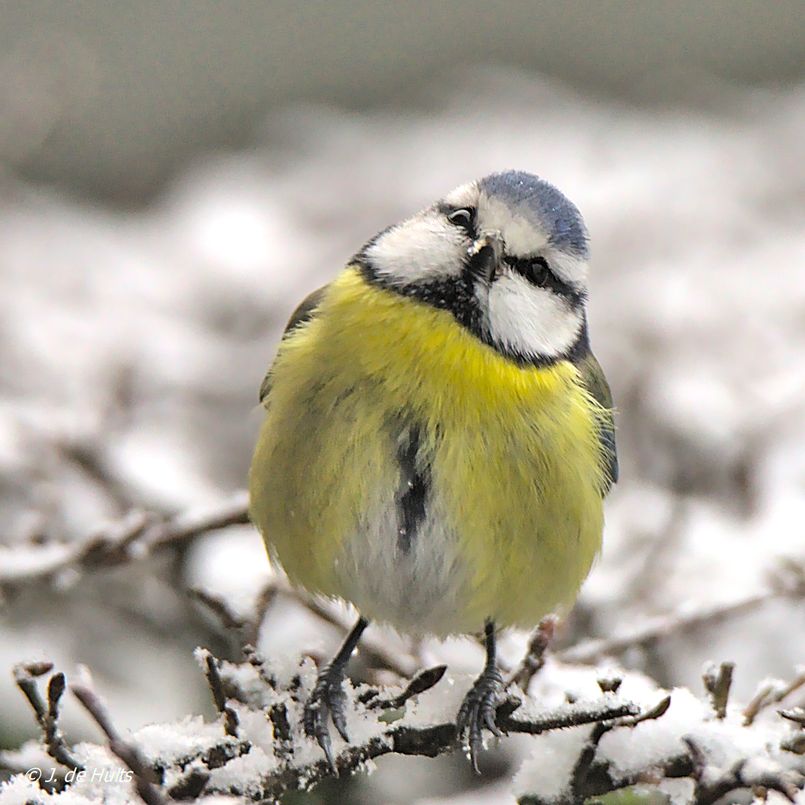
174	177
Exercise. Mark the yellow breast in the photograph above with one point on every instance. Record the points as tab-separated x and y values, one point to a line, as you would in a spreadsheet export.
515	475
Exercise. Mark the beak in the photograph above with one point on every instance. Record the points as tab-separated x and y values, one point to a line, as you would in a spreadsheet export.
486	254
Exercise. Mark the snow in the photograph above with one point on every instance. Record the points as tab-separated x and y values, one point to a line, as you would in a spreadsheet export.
243	774
550	766
650	742
184	738
30	754
547	761
631	751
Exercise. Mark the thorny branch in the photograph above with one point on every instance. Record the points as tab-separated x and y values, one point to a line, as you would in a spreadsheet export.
428	741
401	738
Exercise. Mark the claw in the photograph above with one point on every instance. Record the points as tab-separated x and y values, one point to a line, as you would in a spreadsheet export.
340	722
478	710
489	720
328	699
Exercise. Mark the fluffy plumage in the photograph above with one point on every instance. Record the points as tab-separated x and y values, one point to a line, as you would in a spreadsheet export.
513	513
438	436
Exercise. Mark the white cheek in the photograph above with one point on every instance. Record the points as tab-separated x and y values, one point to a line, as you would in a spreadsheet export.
421	249
529	320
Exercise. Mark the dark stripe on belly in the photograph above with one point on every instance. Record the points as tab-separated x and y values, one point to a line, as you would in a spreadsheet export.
414	486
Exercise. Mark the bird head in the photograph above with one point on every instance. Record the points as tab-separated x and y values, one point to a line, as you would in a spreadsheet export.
507	255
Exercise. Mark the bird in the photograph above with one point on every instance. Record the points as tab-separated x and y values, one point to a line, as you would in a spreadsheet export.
438	436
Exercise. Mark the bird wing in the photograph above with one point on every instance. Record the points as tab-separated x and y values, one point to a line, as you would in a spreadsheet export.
596	382
303	313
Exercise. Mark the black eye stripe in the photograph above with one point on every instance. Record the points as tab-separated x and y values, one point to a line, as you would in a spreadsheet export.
537	271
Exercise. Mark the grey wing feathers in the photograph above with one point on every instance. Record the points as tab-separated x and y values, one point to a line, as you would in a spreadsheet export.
596	382
303	313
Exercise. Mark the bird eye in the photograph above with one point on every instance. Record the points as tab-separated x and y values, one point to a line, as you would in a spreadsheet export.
537	272
460	217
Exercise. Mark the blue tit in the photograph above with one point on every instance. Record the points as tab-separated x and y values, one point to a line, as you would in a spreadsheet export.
438	437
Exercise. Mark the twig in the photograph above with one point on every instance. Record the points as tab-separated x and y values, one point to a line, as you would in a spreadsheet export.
718	682
648	576
219	696
576	716
47	716
771	693
591	651
708	790
264	603
795	714
257	661
144	776
795	744
135	537
534	657
92	459
423	681
221	609
190	786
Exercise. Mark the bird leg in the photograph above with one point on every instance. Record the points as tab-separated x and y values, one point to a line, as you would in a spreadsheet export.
480	705
328	697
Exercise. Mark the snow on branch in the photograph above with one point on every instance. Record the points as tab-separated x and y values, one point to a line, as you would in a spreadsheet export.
592	734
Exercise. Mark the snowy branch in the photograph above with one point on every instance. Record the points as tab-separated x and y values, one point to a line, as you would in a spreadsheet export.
789	583
135	537
144	776
618	734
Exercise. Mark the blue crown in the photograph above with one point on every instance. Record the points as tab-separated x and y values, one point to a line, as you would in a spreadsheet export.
544	205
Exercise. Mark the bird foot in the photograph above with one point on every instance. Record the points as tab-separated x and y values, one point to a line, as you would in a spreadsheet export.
478	710
327	699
